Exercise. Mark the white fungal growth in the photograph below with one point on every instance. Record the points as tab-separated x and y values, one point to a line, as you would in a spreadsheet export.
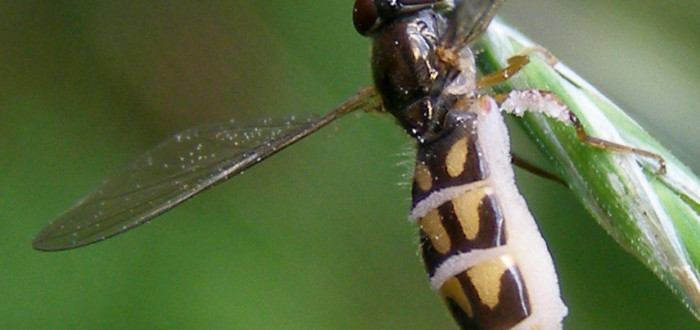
519	101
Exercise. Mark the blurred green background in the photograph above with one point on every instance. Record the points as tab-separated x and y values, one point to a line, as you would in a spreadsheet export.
315	237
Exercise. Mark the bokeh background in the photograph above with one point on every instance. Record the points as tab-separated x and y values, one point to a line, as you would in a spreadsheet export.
315	237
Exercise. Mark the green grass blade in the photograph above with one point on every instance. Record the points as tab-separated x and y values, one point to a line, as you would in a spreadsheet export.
654	217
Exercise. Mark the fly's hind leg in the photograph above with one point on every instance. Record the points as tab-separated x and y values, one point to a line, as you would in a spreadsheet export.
536	170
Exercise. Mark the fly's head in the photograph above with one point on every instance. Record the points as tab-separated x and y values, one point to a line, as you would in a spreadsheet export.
369	15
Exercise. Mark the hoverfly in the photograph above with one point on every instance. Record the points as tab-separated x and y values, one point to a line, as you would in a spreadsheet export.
465	201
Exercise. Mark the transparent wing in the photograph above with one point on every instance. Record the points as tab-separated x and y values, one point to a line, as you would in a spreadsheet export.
176	170
469	20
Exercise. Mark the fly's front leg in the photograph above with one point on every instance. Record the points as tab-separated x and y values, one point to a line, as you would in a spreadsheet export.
515	63
547	103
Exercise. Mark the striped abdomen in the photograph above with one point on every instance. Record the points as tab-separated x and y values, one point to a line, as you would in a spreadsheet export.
481	247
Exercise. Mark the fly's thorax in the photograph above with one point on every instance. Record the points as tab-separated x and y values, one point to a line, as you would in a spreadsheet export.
417	78
407	72
405	66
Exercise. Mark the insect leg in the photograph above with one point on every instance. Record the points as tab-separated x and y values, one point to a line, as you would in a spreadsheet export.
548	103
609	145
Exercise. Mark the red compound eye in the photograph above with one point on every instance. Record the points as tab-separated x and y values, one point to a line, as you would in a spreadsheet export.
364	16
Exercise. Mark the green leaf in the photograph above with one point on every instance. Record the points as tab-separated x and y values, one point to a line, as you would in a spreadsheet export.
656	217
